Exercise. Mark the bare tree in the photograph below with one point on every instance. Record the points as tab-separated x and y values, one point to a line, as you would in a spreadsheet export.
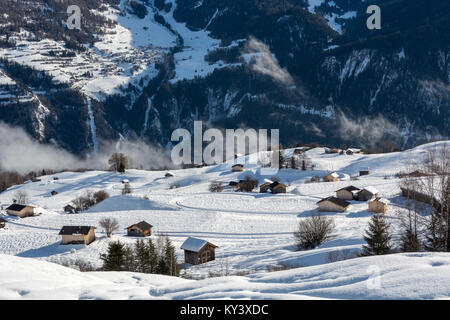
109	225
118	162
313	231
21	197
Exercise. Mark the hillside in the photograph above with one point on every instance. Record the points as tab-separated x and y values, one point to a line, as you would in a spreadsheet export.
254	232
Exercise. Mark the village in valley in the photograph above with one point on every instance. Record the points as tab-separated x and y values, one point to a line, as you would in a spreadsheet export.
221	220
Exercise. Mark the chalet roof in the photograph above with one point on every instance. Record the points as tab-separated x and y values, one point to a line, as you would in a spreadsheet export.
69	207
169	174
16	207
349	189
370	189
364	169
74	230
382	200
194	244
334	175
141	225
276	184
237	165
337	201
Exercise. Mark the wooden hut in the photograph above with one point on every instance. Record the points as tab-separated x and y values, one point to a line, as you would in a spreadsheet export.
141	229
233	184
333	204
364	171
368	193
265	187
70	209
277	187
237	168
20	210
54	193
198	251
378	205
347	193
2	223
77	235
331	177
169	174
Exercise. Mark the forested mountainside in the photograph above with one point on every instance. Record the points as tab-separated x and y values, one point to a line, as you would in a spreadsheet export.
142	68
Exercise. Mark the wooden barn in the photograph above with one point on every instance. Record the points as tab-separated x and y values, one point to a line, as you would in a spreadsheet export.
237	168
331	177
368	193
169	174
77	235
333	204
20	210
265	187
198	251
347	193
233	184
70	209
378	205
277	187
364	171
2	223
141	229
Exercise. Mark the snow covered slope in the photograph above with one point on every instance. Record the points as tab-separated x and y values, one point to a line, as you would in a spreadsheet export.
253	232
400	276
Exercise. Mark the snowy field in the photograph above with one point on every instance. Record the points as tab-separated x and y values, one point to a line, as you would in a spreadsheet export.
253	231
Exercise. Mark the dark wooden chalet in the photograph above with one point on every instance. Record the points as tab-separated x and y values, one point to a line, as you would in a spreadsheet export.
198	251
141	229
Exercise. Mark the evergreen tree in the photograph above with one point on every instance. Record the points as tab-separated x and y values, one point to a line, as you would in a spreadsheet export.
142	257
294	162
410	241
129	261
115	258
153	256
377	237
171	264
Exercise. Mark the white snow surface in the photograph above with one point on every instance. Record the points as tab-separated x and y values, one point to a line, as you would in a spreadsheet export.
400	276
253	233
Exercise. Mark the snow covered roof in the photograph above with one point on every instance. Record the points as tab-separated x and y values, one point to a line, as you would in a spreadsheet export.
16	207
334	175
169	174
382	200
349	188
194	244
371	189
364	169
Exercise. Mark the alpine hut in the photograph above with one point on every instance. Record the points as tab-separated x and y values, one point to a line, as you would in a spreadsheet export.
198	251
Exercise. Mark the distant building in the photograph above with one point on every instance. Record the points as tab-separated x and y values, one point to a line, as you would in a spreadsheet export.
364	171
237	168
54	193
69	209
2	223
169	174
125	181
198	251
378	205
368	193
234	184
277	187
265	187
347	193
20	210
141	229
299	151
331	177
333	204
77	235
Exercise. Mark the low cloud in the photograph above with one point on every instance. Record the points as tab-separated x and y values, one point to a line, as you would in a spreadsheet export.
260	58
20	152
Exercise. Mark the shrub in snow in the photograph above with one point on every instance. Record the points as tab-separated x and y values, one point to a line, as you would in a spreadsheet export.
215	186
313	231
109	225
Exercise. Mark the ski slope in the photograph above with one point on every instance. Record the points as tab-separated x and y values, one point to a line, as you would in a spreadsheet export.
253	231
